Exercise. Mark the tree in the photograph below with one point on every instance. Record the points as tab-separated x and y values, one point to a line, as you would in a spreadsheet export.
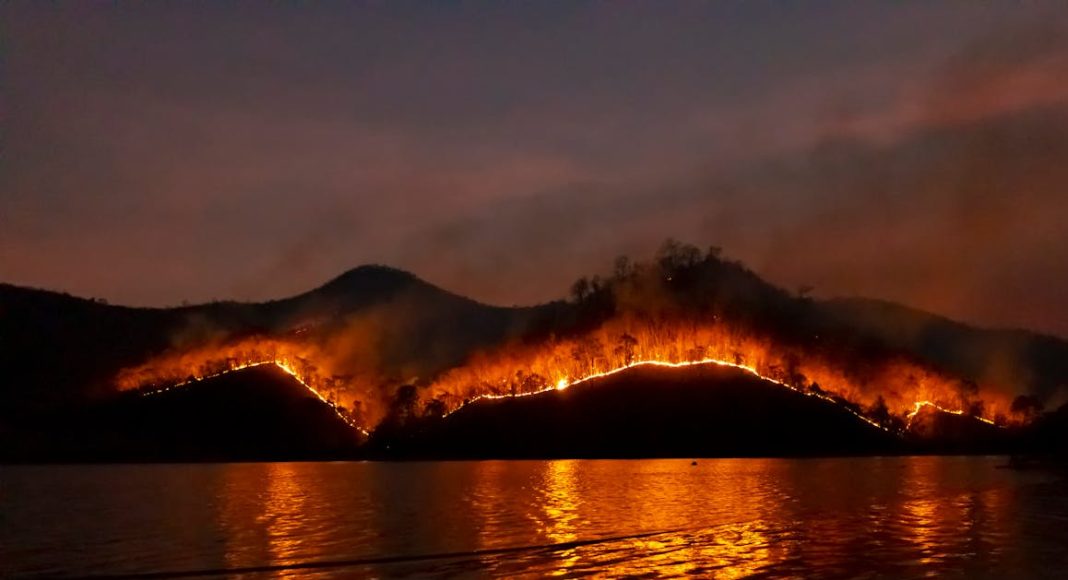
580	290
674	257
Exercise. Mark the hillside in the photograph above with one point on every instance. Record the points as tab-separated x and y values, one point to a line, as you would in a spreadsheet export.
1034	362
258	413
707	411
263	413
374	332
57	348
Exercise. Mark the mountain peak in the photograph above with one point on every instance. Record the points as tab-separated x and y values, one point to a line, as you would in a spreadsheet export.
370	277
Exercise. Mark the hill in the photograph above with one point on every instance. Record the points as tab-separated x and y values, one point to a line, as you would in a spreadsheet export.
60	352
58	348
259	413
1035	363
707	411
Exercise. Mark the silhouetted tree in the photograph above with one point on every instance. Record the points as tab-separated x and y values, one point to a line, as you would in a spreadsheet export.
580	290
673	257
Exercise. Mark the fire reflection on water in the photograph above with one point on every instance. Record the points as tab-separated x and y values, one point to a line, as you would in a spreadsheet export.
261	509
906	516
736	518
572	501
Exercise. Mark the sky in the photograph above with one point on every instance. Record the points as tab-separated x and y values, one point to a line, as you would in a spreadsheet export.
910	151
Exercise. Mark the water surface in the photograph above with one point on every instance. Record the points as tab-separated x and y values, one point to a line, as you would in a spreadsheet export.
874	517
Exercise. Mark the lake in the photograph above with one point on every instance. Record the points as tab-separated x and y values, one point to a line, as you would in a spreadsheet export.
874	517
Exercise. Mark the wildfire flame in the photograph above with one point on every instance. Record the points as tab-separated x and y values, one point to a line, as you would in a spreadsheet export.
565	383
919	405
213	366
896	384
521	370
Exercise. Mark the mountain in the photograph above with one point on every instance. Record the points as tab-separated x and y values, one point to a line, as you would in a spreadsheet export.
1032	362
56	349
60	353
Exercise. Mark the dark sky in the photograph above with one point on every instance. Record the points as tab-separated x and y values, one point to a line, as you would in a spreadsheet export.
911	151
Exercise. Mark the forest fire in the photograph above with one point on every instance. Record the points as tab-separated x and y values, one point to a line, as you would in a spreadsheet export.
920	405
877	394
680	310
205	364
565	383
892	389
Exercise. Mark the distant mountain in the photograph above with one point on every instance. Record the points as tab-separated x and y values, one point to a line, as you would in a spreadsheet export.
56	349
1030	361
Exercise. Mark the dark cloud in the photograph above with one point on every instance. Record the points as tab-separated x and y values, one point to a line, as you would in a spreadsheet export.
154	153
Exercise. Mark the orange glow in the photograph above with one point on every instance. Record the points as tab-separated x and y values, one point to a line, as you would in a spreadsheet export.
522	370
919	405
519	370
176	370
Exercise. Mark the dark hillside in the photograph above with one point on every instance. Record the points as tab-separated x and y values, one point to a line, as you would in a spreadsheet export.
55	348
648	412
259	413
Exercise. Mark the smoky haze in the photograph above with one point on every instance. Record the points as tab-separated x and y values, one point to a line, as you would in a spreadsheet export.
160	153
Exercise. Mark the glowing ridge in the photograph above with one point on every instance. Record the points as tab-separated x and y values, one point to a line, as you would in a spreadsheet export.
565	382
919	405
282	364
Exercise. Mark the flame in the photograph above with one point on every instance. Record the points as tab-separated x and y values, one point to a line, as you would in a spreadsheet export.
520	370
178	369
285	366
919	405
527	369
565	383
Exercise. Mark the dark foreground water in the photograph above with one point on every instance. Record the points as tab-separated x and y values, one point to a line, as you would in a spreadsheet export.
873	517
